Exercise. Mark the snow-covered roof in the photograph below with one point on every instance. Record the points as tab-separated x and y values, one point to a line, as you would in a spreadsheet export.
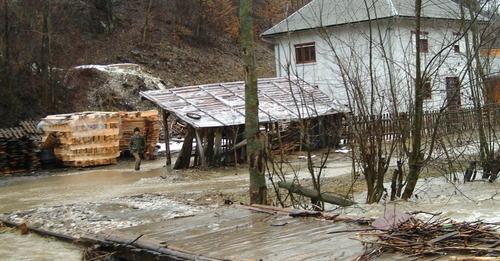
322	13
223	104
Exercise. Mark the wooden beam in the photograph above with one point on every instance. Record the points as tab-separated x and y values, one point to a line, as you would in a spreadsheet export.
218	146
242	98
209	150
167	137
198	108
201	149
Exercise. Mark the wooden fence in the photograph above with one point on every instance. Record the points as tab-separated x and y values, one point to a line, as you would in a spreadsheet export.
391	126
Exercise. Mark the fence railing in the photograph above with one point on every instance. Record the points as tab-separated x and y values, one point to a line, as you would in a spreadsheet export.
391	126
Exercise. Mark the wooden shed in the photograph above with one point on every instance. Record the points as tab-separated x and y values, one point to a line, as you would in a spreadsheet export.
215	115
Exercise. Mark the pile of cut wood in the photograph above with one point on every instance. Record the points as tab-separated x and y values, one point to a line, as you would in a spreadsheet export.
147	122
18	151
84	139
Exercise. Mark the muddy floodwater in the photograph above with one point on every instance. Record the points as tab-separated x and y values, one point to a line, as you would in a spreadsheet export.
82	202
14	246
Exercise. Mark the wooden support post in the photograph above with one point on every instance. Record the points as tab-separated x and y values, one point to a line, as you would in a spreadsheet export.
209	150
201	150
167	137
184	158
322	133
218	146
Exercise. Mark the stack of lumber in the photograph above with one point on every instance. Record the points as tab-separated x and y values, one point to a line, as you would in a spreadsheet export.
18	151
84	139
30	127
147	122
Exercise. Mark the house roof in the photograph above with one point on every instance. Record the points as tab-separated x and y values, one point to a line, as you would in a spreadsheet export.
223	104
322	13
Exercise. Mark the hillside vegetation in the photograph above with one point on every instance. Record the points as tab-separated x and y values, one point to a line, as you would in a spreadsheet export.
181	41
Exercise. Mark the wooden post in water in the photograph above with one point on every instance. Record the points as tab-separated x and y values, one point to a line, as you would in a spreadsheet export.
201	150
167	138
218	146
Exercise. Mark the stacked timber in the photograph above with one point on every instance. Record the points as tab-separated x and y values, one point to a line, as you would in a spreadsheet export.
147	122
30	127
84	139
18	151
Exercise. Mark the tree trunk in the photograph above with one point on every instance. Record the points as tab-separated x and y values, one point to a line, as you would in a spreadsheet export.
416	157
315	195
479	93
6	59
258	188
146	21
109	15
45	56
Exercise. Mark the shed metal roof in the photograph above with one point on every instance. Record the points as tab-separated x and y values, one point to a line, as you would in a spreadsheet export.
323	13
223	104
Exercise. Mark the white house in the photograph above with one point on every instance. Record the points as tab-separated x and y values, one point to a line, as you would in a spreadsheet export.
327	43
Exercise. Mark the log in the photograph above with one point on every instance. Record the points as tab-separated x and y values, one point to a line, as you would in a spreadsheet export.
306	213
314	195
473	258
120	241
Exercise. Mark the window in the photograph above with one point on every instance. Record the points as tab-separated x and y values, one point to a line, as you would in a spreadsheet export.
423	42
427	90
305	53
453	95
456	46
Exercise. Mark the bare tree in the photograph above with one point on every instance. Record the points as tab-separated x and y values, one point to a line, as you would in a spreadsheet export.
258	188
47	92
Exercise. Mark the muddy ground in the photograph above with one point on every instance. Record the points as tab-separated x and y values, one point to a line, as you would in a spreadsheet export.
79	202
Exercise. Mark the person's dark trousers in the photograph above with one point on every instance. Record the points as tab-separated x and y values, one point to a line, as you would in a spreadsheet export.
137	157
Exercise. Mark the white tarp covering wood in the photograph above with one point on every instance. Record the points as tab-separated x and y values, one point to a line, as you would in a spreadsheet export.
223	104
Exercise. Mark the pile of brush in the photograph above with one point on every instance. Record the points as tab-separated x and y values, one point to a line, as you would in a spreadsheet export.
436	236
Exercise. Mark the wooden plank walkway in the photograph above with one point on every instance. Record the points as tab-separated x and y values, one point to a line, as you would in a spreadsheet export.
236	234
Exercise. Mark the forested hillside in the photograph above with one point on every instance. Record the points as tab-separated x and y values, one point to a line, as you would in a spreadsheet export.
181	41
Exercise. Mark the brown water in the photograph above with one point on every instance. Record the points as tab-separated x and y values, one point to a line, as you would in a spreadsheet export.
14	246
77	202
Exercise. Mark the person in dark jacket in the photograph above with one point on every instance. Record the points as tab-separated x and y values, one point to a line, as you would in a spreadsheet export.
136	147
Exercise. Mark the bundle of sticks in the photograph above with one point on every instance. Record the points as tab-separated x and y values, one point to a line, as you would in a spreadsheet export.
436	236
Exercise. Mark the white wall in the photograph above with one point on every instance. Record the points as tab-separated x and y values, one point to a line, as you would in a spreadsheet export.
350	43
